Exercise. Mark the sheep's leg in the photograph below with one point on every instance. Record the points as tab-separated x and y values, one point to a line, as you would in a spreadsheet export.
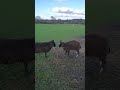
65	52
103	59
77	53
45	54
26	66
68	53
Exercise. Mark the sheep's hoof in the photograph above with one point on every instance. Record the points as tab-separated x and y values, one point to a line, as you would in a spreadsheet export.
77	55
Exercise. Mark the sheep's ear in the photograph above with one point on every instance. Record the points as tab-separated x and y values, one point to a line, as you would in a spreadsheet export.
60	41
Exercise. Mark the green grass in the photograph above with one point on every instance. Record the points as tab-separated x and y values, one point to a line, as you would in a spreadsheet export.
47	75
47	32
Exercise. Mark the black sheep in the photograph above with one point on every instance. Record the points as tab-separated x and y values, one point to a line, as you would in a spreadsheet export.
97	46
71	45
44	47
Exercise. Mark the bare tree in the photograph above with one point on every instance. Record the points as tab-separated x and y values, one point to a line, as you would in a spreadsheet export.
53	18
37	17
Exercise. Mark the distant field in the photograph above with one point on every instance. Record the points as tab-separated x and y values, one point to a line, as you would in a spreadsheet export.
46	32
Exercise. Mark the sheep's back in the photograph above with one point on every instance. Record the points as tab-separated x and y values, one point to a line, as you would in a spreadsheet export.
72	45
42	47
96	45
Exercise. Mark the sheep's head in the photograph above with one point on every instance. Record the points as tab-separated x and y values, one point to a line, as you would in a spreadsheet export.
61	44
53	43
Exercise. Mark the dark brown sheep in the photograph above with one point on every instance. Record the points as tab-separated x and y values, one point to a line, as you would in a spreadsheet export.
71	45
17	50
44	47
97	46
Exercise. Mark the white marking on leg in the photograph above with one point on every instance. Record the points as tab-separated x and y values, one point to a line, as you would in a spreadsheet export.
77	55
101	70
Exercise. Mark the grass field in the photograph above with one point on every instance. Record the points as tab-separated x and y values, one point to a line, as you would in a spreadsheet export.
47	32
59	72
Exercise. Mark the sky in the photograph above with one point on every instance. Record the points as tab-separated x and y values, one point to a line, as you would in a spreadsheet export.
60	9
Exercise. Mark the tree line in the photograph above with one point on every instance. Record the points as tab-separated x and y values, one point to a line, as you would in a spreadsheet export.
59	21
39	20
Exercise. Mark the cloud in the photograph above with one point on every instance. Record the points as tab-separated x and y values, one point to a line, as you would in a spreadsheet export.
64	13
68	10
